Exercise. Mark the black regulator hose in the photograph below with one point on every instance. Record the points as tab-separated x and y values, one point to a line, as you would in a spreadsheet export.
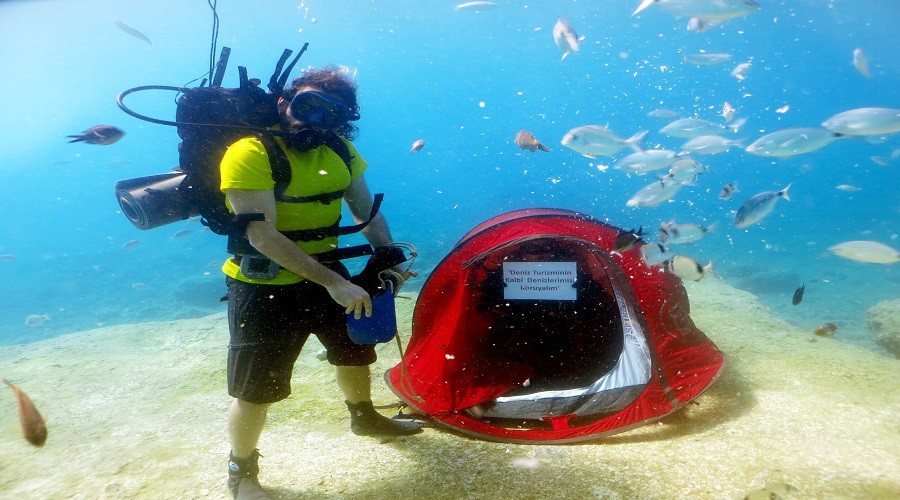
120	100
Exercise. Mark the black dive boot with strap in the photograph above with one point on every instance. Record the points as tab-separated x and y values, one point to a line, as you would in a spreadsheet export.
365	421
242	477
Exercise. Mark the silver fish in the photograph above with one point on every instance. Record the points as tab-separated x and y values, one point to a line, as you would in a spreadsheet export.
687	268
417	146
866	251
848	188
184	233
728	191
759	206
688	128
709	145
641	162
594	140
740	71
728	111
686	169
133	32
705	10
665	114
704	59
565	37
880	160
36	320
673	234
700	25
655	193
792	141
654	253
861	62
476	6
865	121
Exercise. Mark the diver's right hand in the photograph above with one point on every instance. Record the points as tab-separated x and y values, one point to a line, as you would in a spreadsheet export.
352	297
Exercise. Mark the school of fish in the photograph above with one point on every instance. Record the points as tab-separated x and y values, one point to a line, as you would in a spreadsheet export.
705	137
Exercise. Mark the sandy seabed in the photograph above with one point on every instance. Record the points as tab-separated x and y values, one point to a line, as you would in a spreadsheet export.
138	411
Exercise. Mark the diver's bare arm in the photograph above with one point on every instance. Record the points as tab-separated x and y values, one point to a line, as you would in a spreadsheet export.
359	201
264	237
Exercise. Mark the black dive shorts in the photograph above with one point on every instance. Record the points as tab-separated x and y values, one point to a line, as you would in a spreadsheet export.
269	325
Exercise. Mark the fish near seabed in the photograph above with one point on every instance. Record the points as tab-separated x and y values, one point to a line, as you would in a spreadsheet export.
866	251
526	140
625	240
33	425
687	268
654	253
565	37
102	135
672	233
759	206
825	329
798	295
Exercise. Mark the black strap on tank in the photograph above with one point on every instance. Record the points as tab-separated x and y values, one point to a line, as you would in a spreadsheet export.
279	78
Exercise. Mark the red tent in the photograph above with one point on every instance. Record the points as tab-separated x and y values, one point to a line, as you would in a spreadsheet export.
532	330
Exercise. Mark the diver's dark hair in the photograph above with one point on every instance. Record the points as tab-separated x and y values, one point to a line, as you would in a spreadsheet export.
334	80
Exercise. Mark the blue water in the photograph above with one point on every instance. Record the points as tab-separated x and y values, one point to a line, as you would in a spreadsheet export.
465	82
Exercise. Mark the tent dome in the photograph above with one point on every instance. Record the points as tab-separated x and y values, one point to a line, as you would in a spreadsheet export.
533	330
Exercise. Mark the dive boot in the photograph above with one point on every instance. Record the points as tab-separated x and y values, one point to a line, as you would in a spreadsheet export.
242	478
365	421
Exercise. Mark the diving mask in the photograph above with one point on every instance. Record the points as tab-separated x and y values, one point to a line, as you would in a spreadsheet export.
317	109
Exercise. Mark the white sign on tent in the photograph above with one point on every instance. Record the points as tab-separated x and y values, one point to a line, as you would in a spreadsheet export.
539	281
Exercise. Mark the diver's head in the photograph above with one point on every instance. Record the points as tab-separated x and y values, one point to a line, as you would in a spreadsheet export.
322	98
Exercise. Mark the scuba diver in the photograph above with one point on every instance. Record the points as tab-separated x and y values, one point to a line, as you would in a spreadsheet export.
285	282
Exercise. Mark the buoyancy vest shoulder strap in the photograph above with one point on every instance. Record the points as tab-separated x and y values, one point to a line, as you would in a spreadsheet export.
278	160
281	169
